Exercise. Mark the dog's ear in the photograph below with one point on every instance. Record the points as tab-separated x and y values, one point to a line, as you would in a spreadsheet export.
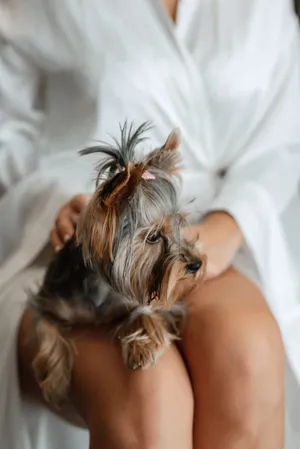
97	227
167	157
122	184
173	141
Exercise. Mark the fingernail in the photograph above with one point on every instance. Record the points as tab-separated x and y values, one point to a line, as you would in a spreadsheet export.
66	237
57	249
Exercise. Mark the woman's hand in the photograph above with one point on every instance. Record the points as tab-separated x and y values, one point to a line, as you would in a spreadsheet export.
66	220
219	238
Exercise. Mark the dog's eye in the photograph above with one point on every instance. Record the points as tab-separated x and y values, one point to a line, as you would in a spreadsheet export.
154	237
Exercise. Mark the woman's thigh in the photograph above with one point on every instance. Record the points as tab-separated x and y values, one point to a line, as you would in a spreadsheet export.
229	304
233	348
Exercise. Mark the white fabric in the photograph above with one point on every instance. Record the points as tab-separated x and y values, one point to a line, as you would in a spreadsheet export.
228	74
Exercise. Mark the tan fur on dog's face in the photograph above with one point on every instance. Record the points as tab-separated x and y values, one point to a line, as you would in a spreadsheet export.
164	264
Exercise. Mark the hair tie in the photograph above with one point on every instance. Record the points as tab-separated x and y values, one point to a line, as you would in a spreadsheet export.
147	175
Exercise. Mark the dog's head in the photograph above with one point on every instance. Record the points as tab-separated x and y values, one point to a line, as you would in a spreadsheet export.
131	231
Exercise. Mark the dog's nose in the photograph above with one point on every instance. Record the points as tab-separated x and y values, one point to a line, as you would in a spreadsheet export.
194	266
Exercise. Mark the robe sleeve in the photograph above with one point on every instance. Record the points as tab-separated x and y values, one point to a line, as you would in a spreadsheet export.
20	119
37	37
264	179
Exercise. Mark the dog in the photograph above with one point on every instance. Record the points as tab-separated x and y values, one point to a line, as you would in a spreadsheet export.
127	267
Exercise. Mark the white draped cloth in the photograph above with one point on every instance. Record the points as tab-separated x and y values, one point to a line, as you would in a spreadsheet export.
227	73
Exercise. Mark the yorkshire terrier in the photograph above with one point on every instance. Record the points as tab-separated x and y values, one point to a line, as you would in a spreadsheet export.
125	270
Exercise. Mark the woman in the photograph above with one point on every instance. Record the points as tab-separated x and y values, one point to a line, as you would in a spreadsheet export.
228	74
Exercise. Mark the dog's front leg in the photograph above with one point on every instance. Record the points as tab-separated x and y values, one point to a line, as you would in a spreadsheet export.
148	333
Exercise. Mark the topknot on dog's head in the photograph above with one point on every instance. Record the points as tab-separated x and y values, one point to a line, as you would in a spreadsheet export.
120	172
140	189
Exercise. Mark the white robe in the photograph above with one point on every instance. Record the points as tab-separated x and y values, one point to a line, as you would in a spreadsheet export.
228	74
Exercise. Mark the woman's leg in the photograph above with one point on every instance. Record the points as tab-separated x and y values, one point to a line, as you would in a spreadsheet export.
123	409
234	351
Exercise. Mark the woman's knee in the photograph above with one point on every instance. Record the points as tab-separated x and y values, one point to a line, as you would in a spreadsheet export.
151	409
121	408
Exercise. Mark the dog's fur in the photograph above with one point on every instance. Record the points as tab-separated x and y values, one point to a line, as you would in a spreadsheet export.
125	269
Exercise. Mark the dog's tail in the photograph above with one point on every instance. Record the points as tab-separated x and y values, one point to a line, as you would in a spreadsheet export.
53	363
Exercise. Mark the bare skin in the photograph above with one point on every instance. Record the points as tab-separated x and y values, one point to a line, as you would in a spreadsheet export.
121	408
172	7
233	351
233	348
234	354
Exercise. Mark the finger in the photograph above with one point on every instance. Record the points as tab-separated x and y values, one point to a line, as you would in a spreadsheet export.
74	217
212	271
65	226
55	240
78	202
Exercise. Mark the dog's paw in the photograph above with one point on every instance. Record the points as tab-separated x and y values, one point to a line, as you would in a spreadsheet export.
147	333
142	353
145	339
